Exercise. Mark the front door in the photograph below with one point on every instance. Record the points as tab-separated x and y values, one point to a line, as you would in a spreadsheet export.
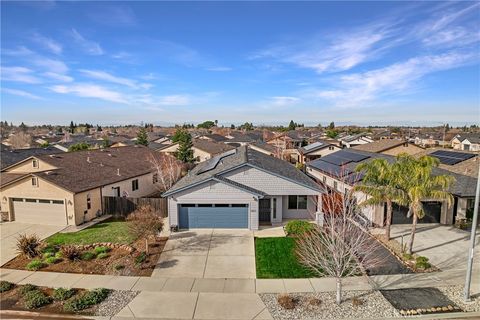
264	210
116	191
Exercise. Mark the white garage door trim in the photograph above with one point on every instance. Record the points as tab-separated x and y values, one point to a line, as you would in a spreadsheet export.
40	211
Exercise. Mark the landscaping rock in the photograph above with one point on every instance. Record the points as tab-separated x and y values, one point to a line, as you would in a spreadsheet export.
455	293
115	302
374	306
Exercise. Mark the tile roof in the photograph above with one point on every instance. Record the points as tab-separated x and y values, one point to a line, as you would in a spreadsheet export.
242	156
211	147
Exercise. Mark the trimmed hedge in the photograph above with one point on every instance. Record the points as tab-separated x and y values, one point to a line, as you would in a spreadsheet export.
298	227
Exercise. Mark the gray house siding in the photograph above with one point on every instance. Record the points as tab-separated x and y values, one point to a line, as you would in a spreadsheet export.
267	182
215	193
308	213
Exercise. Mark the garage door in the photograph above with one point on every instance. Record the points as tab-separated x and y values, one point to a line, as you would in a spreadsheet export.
213	216
40	211
432	210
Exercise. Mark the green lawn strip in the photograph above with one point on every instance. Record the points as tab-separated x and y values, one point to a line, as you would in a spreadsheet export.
111	231
275	258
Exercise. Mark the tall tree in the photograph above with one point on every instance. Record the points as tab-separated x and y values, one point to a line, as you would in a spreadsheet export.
142	137
72	127
380	184
418	183
292	125
184	152
179	135
331	126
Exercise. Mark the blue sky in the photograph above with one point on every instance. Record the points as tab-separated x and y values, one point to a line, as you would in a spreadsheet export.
405	63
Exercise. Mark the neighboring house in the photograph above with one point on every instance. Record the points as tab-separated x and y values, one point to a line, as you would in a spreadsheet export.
237	139
241	188
433	139
202	149
289	140
350	141
316	150
466	142
10	156
266	148
337	173
213	137
391	147
67	188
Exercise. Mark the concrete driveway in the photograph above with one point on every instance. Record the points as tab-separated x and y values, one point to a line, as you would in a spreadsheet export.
208	253
446	247
9	231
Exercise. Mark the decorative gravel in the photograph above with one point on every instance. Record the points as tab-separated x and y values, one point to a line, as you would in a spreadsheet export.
455	293
115	302
373	305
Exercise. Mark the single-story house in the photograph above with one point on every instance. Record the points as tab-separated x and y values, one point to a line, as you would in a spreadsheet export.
10	156
68	188
266	148
213	137
202	149
466	141
316	150
350	141
391	147
242	188
336	172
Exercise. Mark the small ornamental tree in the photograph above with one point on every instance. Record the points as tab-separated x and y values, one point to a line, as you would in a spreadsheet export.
341	247
167	171
142	137
145	222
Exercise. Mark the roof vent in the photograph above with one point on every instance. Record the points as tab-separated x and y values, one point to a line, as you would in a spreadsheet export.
109	154
118	171
101	164
88	160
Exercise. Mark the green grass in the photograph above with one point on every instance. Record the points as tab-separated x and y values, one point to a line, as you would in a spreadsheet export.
111	231
275	258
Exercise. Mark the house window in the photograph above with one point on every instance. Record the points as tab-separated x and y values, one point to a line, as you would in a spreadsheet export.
34	182
35	163
155	178
134	184
89	202
297	202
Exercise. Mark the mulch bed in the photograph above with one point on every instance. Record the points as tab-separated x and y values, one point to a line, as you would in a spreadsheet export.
415	301
12	300
108	266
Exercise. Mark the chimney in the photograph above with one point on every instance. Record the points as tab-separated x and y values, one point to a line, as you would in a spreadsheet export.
118	171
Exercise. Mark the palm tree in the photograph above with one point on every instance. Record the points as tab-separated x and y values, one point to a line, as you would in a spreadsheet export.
380	184
418	183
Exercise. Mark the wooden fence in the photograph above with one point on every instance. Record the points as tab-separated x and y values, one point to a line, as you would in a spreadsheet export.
120	206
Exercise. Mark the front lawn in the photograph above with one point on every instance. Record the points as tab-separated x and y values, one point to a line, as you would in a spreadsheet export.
275	258
111	231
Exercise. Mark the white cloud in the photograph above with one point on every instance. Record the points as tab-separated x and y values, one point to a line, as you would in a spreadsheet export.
58	77
219	69
87	90
48	43
173	100
19	74
19	51
105	76
117	15
21	93
356	89
51	65
282	101
88	46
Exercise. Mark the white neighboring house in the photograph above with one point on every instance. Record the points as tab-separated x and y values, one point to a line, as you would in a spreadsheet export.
466	141
316	150
242	188
354	140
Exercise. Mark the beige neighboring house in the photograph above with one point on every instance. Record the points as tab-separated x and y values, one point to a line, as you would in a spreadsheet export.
466	142
68	188
202	149
316	150
391	147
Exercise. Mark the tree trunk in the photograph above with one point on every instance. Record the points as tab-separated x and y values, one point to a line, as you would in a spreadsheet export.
412	234
389	219
339	291
146	246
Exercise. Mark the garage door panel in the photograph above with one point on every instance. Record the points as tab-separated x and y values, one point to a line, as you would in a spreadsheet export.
213	217
40	212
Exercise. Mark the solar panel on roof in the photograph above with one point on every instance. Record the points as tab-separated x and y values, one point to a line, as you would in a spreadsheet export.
329	168
333	159
313	146
356	157
213	162
451	157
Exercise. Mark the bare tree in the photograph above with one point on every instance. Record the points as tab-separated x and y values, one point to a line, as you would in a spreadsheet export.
167	170
145	222
20	140
341	247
